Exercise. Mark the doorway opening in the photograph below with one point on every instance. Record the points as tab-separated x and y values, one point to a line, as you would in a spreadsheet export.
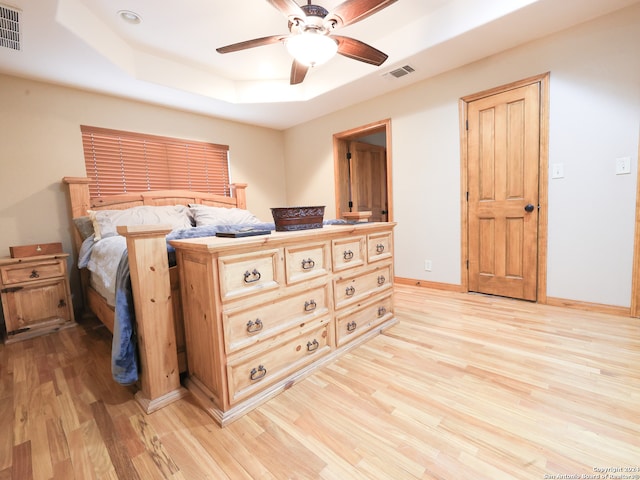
362	166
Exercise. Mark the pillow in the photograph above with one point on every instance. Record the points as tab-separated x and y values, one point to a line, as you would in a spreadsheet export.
206	215
84	225
106	221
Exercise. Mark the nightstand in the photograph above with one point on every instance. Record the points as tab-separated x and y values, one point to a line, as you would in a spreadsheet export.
36	298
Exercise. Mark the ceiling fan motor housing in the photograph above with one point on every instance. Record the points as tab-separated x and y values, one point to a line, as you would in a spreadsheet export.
314	10
314	20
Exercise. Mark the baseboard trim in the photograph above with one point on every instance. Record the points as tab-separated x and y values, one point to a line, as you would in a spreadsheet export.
553	301
591	307
449	287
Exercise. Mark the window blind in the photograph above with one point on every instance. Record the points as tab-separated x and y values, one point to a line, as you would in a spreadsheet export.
127	162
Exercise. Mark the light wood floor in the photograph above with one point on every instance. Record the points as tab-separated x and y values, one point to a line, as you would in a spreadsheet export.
464	387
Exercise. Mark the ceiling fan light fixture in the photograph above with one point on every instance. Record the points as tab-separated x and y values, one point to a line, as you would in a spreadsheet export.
311	48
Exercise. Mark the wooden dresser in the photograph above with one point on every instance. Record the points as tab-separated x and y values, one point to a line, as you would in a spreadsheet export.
263	312
35	295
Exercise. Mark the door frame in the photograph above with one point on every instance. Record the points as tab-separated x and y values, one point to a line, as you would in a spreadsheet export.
543	169
635	280
352	134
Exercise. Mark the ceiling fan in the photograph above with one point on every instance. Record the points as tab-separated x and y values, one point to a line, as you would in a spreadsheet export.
311	40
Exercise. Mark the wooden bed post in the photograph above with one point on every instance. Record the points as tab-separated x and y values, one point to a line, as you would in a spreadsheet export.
79	200
149	270
79	193
238	191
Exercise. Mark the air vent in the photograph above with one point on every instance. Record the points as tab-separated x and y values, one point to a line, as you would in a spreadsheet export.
9	27
402	71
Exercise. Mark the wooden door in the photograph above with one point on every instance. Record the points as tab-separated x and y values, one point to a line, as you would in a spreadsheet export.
369	180
503	154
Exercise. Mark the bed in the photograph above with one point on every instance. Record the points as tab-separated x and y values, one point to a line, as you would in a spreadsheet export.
154	285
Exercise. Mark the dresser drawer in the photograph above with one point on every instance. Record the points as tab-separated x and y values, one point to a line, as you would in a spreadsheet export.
306	262
348	252
362	318
19	273
248	273
250	374
357	287
249	326
379	246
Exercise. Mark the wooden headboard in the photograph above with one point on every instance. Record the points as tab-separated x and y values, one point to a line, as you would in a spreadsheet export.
80	200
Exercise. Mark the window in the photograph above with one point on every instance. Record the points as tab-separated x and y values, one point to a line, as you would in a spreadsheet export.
125	162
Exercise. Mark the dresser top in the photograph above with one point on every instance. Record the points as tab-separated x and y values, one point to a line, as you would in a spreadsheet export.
327	232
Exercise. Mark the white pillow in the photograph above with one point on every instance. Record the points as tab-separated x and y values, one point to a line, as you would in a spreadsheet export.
106	221
206	215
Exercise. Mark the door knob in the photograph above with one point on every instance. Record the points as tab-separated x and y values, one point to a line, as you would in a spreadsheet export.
529	208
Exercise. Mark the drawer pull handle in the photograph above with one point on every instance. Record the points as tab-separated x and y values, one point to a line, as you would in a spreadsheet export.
254	327
381	280
308	264
349	291
381	311
257	373
310	305
379	248
312	346
351	326
62	303
251	277
34	274
348	255
11	289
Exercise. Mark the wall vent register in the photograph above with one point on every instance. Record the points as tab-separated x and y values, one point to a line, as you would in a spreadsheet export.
9	27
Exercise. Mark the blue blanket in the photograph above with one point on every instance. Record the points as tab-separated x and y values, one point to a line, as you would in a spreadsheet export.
124	354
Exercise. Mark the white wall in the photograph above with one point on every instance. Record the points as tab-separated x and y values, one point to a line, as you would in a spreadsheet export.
40	143
594	118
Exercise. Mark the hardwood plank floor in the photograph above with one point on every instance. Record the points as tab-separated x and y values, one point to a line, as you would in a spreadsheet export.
464	387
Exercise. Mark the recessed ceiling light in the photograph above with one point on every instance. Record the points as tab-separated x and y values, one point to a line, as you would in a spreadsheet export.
130	17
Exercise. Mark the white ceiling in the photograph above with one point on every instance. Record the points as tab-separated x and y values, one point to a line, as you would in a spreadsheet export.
170	59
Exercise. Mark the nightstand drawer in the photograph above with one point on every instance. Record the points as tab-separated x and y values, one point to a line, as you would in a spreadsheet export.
12	274
37	305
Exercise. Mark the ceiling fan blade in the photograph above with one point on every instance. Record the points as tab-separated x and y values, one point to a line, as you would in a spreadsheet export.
256	42
352	11
298	72
289	8
357	50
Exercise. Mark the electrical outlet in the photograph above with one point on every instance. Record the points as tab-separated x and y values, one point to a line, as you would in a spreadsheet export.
428	265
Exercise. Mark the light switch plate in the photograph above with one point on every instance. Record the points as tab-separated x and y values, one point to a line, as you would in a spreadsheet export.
557	170
623	165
